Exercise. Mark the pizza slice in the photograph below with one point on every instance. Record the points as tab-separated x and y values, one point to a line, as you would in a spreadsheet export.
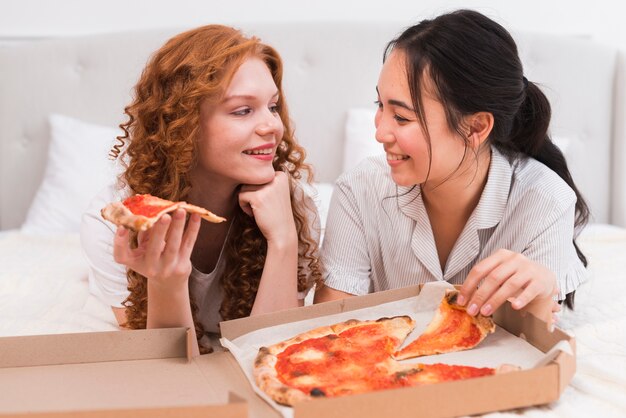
452	329
140	212
424	374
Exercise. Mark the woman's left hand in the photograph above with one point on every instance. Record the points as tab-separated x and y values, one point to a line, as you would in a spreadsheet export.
505	275
270	204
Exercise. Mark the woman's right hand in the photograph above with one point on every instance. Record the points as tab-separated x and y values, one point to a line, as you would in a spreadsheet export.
163	254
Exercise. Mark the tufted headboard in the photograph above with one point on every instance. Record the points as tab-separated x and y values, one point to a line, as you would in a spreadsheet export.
329	68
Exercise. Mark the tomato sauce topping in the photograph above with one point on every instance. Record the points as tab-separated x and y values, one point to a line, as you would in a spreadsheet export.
140	205
458	330
355	361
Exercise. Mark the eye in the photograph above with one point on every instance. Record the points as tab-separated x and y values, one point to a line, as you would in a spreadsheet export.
378	104
242	112
274	108
400	119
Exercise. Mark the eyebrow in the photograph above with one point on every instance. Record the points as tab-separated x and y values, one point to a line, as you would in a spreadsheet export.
246	96
398	103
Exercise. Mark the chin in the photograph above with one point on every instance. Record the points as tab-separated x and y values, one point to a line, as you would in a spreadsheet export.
403	181
261	177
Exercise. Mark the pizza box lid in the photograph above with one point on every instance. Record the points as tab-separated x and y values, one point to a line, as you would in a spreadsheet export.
523	388
139	373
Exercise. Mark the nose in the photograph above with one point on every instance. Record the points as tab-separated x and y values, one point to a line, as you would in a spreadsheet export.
270	124
383	133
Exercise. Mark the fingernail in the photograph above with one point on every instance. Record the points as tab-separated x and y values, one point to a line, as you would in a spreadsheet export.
517	304
486	310
473	309
460	300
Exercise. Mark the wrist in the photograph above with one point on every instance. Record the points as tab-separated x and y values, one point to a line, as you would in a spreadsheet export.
284	242
173	289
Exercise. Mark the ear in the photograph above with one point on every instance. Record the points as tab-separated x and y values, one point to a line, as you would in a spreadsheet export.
479	126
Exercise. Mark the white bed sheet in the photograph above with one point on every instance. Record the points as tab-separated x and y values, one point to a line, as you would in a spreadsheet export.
44	290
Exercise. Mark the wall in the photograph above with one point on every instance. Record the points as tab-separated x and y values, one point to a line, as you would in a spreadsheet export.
600	19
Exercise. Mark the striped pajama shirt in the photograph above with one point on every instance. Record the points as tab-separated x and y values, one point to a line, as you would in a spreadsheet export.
378	235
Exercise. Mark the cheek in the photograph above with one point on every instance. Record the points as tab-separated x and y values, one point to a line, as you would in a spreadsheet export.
281	131
413	142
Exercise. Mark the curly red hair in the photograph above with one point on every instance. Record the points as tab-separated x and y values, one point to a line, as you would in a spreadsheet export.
159	149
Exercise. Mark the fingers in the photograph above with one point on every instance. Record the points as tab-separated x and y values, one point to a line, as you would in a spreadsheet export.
155	243
245	204
528	294
484	298
121	246
503	276
556	309
174	236
190	236
479	272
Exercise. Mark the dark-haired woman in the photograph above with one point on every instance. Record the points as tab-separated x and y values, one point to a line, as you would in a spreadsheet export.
472	190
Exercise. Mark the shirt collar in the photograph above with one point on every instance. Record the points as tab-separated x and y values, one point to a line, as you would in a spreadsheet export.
491	205
493	200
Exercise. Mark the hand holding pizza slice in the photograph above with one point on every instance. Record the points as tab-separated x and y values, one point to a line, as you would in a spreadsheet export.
140	212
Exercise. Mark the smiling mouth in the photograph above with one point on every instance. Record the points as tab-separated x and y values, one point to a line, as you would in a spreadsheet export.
396	157
266	151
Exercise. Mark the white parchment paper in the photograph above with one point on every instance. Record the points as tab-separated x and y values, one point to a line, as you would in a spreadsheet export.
497	348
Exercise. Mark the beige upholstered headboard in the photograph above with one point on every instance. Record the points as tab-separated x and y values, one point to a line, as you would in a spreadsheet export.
329	68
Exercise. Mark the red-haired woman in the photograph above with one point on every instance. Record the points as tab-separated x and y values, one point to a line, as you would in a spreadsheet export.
208	125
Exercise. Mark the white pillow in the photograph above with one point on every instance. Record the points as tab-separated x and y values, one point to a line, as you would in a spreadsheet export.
360	140
77	168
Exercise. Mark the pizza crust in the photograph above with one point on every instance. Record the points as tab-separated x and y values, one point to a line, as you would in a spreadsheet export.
121	215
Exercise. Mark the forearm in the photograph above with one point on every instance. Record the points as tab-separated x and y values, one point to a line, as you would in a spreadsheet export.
278	288
170	307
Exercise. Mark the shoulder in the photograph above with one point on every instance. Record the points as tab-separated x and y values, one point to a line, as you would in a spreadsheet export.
92	220
370	177
534	181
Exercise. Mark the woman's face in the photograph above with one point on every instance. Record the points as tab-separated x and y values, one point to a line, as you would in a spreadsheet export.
400	132
239	136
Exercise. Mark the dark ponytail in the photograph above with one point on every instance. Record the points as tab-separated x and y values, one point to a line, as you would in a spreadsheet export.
474	64
529	135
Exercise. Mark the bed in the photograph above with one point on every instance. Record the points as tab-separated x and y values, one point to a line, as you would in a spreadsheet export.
61	100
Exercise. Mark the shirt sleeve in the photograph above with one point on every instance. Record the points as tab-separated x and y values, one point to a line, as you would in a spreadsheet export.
553	246
345	256
107	279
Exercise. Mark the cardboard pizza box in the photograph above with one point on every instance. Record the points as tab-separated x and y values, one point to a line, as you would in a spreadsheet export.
147	373
523	388
142	373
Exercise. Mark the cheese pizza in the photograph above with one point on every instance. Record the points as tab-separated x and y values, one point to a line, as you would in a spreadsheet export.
349	358
140	212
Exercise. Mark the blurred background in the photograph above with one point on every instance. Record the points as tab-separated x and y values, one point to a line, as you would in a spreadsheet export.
601	20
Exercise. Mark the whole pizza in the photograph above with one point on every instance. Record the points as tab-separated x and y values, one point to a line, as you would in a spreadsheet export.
361	356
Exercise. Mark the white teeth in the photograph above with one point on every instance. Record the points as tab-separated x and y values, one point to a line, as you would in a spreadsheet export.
394	157
265	151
